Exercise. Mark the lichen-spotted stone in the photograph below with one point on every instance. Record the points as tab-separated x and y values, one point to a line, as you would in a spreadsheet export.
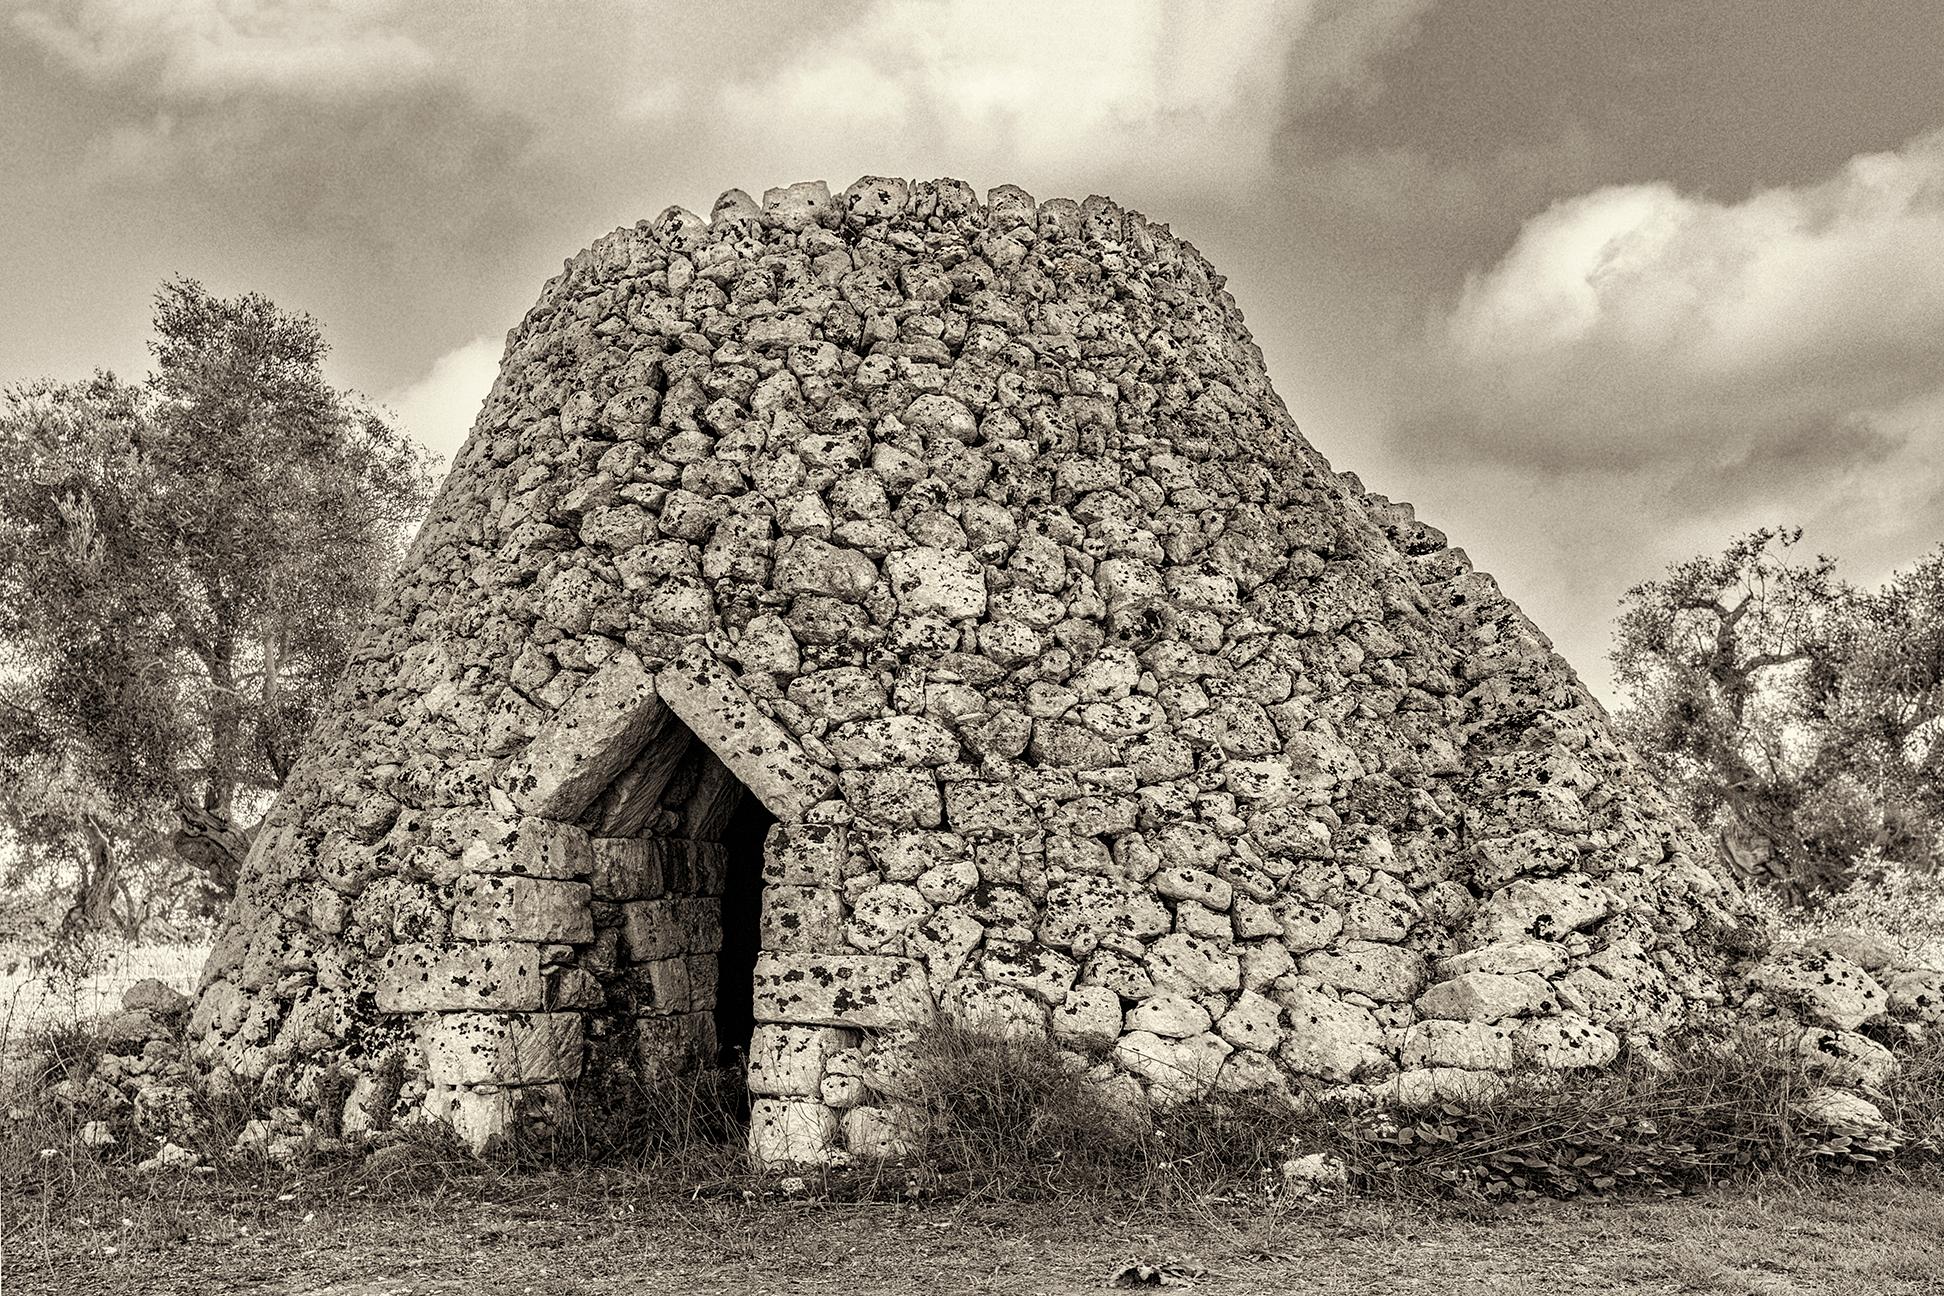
970	541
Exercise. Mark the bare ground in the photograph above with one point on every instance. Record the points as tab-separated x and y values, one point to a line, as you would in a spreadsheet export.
568	1236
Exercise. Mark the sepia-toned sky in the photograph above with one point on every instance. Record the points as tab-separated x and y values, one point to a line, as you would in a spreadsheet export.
1594	284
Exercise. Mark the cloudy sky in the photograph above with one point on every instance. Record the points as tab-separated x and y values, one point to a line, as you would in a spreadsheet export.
1595	284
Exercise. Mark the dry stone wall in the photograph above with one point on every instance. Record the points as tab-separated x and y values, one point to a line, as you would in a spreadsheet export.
968	538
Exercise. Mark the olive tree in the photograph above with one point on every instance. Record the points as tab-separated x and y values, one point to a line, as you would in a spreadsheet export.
183	566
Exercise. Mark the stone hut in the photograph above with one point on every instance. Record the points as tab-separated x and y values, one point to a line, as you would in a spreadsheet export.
854	611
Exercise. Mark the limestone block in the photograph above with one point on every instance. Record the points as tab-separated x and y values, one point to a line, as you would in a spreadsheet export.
586	743
975	806
1599	996
881	916
768	645
1846	1058
802	919
799	206
1176	1071
875	1132
479	1117
1253	1022
1199	920
152	996
657	929
1307	927
1262	964
807	565
511	907
1387	973
472	1048
1546	908
841	990
1182	883
1918	996
1083	910
1564	1042
1473	1046
1507	958
944	941
937	582
1171	1016
499	975
764	758
790	1060
894	798
937	414
629	868
892	740
877	197
994	1009
1249	1072
787	1131
1263	782
1330	1039
1841	1112
1488	997
529	846
1192	965
664	986
839	694
948	883
810	854
841	1092
1873	953
888	1063
1826	989
1088	1018
1045	973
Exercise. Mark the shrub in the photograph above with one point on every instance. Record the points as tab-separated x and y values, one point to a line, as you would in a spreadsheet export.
1898	904
1009	1116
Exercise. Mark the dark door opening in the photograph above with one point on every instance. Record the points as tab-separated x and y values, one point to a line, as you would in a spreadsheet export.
742	916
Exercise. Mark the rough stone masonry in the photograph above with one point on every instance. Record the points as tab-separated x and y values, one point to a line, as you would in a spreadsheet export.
968	540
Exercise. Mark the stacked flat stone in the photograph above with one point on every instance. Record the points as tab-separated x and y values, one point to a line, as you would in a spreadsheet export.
1090	702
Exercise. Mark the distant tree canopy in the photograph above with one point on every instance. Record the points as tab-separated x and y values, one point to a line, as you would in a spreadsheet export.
1802	718
183	567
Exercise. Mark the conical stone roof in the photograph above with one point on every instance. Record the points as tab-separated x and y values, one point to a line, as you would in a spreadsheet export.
968	541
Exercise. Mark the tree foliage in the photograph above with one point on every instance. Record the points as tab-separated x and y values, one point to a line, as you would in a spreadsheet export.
1798	715
183	566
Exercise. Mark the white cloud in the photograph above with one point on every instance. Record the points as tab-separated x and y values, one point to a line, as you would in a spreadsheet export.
1647	372
1637	322
1064	92
202	50
438	409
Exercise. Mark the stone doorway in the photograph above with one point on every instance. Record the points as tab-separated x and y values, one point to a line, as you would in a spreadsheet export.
678	900
677	783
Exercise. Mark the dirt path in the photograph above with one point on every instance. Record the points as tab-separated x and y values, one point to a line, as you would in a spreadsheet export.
1876	1238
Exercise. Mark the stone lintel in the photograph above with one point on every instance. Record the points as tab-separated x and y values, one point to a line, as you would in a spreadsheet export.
754	747
582	747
